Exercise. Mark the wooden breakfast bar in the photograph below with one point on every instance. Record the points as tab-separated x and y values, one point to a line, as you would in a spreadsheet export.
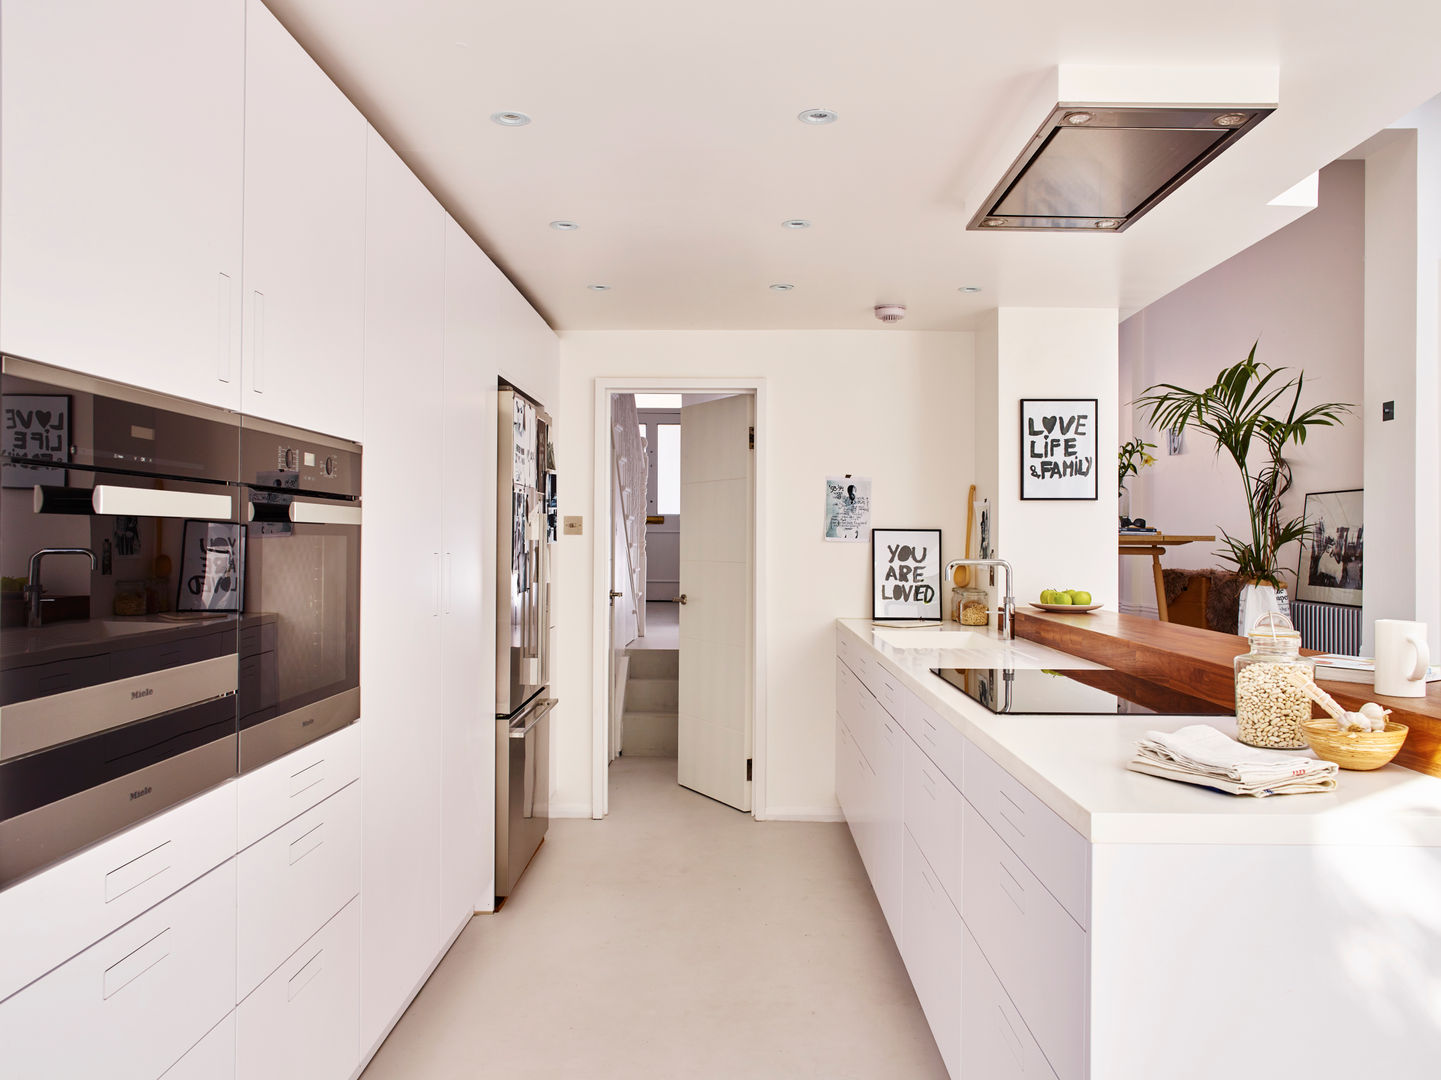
1155	545
1200	663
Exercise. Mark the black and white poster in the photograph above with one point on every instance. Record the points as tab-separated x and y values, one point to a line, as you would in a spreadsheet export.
848	508
212	567
37	427
1331	554
906	574
1058	448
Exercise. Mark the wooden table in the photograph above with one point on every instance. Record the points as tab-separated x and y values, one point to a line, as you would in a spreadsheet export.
1155	545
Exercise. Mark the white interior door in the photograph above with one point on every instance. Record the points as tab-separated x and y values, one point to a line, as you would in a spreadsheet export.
620	635
717	478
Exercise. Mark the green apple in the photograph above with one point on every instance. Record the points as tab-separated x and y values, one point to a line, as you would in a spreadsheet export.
1048	596
1061	598
1083	598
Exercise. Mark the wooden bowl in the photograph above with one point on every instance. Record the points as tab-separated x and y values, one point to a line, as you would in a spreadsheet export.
1360	750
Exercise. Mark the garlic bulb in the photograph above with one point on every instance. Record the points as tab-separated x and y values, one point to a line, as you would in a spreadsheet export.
1375	715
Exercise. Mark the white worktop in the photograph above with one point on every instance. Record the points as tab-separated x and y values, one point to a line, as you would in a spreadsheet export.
1076	764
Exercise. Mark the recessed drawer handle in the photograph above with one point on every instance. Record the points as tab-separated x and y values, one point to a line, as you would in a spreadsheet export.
1008	882
306	778
1019	808
1002	815
305	843
304	977
131	875
926	878
1014	1042
136	963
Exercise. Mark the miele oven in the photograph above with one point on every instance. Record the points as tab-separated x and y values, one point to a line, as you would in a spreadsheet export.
123	563
300	636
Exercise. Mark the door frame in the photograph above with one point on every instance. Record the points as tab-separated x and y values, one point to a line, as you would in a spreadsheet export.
600	592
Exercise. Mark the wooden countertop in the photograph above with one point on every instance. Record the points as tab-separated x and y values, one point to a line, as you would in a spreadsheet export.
1148	539
1200	663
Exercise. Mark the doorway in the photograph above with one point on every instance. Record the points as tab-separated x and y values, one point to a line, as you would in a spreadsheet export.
679	617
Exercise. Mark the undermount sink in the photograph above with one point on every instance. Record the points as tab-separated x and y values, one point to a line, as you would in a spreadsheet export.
928	638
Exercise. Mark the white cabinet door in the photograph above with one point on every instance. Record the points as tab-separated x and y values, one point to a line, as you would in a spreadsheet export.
212	1058
887	811
304	299
401	579
120	198
931	945
468	620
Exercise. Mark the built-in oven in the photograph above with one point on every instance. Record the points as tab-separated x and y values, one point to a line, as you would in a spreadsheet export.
123	565
300	635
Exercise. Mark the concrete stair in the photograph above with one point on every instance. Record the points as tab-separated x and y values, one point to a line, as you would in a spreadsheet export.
651	700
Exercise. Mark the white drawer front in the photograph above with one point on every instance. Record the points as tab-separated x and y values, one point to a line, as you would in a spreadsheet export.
212	1059
933	816
887	689
1035	947
995	1043
303	1022
292	881
941	741
131	1005
50	917
931	947
275	793
1055	852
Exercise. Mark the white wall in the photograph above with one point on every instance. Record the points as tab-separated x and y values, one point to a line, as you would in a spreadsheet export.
891	405
1048	353
1299	291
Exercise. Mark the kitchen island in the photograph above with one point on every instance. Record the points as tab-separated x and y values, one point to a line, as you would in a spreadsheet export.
1062	916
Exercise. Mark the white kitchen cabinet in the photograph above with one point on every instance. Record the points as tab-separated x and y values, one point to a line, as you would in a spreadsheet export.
932	813
120	190
212	1058
995	1042
285	788
303	1022
132	1004
469	413
402	741
51	916
931	936
304	310
886	815
292	881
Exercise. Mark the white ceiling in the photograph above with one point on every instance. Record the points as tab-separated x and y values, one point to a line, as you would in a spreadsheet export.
668	130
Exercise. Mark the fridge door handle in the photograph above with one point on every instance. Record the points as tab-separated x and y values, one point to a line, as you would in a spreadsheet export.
541	710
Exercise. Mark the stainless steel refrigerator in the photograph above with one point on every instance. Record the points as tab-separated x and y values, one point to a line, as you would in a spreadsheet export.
525	529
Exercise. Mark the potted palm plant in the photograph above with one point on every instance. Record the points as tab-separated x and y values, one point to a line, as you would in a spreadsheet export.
1251	409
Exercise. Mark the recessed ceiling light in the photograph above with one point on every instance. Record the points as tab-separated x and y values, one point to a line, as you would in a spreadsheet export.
564	226
598	288
970	288
818	116
1107	223
795	223
510	119
782	286
992	222
1231	119
1079	117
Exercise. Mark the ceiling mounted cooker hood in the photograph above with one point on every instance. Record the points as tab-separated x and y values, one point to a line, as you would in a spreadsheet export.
1100	167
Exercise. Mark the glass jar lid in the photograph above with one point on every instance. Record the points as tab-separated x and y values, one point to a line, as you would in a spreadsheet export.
1273	628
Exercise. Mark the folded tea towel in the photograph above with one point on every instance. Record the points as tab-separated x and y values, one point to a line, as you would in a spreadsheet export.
1199	754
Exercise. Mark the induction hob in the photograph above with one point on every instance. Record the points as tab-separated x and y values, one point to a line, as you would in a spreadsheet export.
1073	692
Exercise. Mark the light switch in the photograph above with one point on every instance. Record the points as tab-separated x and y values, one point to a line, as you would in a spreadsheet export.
574	526
1388	410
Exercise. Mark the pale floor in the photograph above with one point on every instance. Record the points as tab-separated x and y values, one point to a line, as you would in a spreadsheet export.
676	938
662	627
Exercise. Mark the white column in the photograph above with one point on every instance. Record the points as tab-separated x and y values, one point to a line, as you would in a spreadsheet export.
1048	353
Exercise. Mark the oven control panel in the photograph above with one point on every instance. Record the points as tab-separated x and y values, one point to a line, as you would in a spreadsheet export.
295	461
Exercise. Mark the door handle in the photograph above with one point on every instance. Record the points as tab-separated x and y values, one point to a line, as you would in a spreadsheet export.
679	599
542	709
614	593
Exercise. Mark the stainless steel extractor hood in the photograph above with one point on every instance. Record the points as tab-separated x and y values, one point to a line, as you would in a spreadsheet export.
1093	167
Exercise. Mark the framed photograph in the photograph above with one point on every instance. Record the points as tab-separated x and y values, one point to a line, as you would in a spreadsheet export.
212	567
1331	554
36	427
906	574
1058	448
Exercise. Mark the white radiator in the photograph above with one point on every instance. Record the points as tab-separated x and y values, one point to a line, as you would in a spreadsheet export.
1334	628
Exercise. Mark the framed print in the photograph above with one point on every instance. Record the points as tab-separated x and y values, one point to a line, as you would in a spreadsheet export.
906	574
212	567
1058	448
36	427
1331	553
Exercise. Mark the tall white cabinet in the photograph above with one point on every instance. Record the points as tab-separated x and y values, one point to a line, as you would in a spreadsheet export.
120	189
305	235
401	584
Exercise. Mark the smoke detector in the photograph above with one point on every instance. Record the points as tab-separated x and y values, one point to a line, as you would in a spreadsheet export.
889	313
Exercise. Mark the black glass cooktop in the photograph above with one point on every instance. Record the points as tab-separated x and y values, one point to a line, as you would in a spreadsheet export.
1073	692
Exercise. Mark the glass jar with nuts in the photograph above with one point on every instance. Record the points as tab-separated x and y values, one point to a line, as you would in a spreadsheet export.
1273	686
974	608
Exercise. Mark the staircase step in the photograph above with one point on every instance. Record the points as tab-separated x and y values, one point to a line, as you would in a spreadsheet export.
652	695
649	734
654	663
